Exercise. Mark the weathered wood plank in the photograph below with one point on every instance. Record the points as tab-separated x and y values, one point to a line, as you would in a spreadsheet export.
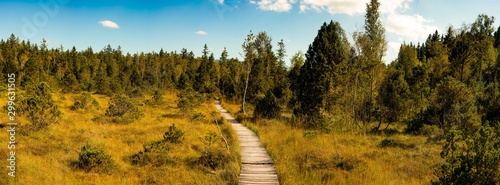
257	166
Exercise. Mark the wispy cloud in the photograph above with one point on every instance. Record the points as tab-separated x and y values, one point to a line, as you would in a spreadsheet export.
221	1
409	27
201	32
275	5
348	7
109	24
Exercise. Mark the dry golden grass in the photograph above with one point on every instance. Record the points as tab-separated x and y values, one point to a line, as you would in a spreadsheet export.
48	156
356	157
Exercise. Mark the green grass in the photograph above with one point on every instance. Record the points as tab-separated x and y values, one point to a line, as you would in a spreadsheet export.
48	156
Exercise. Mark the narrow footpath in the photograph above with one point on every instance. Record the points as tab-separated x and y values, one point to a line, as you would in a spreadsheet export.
257	167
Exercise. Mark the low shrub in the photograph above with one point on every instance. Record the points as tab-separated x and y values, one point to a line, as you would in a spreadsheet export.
198	117
93	159
155	153
39	107
121	110
390	142
173	135
214	158
84	101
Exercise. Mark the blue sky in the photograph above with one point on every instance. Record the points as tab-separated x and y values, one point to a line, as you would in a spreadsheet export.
149	25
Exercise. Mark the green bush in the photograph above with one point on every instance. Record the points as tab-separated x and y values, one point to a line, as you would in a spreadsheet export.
39	107
310	134
198	117
188	100
121	110
155	153
84	101
173	135
388	142
156	100
214	158
471	159
94	160
267	107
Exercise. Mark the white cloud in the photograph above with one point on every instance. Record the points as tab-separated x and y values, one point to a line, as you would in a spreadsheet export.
393	47
349	7
409	27
221	1
275	5
393	14
353	7
109	24
394	6
201	33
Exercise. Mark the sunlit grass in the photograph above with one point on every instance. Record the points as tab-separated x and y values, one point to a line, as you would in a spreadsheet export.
48	156
354	157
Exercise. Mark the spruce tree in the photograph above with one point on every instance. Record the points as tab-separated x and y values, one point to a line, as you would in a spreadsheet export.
321	73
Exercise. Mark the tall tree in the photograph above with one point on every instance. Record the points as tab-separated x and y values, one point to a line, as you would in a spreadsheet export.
321	74
371	47
249	53
453	106
297	62
282	84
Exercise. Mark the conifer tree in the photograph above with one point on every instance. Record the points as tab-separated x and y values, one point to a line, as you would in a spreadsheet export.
321	73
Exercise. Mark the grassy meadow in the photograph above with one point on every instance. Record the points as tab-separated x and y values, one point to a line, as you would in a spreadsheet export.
350	156
49	156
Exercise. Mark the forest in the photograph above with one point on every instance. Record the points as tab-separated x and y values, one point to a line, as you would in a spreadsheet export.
446	89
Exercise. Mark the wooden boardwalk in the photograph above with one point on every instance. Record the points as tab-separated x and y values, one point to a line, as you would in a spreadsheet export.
257	167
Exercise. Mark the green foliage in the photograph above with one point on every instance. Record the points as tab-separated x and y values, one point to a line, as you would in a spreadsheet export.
84	101
471	159
213	158
39	107
173	135
155	153
453	105
188	100
297	62
321	75
268	107
210	138
314	122
93	159
393	96
310	134
198	117
388	142
121	109
156	100
212	155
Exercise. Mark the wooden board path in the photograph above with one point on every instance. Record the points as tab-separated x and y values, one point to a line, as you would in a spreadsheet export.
256	165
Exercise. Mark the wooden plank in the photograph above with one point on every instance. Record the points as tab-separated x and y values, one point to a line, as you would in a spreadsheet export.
257	166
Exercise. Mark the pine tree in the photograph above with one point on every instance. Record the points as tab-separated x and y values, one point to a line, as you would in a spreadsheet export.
321	74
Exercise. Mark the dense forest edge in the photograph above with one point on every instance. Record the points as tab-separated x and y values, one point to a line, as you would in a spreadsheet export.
446	87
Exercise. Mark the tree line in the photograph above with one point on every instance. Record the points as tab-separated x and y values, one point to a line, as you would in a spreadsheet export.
451	78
